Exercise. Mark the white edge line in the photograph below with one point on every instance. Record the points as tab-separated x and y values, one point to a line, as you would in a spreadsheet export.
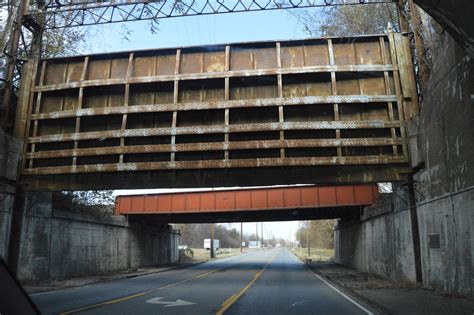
344	295
336	289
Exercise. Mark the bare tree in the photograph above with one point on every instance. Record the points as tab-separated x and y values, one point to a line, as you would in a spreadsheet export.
320	234
347	20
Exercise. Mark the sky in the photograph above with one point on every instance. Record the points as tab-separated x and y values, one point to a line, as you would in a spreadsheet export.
203	30
198	30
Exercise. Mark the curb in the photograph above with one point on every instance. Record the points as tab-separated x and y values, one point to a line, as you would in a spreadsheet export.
379	309
153	272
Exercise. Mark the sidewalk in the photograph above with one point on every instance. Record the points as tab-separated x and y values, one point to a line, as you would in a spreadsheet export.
389	297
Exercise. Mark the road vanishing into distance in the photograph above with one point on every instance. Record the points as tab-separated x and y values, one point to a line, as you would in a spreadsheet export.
270	281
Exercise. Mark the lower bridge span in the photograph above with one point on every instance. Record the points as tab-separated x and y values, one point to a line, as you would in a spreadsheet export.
257	204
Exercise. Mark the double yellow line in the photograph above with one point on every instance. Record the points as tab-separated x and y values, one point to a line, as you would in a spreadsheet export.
234	298
126	298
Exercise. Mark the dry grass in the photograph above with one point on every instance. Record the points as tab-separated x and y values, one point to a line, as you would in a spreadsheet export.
317	254
204	255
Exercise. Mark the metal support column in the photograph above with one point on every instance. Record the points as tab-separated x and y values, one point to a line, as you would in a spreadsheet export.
213	254
415	232
241	228
309	242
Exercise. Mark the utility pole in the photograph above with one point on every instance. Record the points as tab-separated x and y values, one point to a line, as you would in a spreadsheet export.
256	233
261	232
213	255
241	227
309	242
299	234
11	63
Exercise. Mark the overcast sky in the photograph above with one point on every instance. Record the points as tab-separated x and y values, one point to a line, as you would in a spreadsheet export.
203	30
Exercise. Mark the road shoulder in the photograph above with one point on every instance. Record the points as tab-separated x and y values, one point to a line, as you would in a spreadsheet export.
389	297
56	285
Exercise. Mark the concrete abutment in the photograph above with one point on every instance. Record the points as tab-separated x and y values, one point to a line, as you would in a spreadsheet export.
442	155
56	245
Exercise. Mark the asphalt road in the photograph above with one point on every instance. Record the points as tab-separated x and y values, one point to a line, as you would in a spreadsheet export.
264	282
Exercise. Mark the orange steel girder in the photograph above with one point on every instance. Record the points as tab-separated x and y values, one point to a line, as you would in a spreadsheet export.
239	200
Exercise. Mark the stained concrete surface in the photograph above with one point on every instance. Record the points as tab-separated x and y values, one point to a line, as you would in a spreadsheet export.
380	242
441	151
10	149
445	182
57	245
6	212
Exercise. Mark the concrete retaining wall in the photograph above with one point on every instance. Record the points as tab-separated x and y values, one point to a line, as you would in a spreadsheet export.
445	182
10	149
64	245
379	243
6	211
447	243
442	152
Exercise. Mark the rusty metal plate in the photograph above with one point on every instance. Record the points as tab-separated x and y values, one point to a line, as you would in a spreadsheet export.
306	103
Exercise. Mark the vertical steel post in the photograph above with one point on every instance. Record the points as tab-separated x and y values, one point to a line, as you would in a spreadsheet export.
256	233
213	255
309	242
241	225
261	233
415	231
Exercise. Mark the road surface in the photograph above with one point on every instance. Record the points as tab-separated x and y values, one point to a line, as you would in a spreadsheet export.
264	282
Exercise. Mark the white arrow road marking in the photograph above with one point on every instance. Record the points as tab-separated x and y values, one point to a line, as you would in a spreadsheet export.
158	300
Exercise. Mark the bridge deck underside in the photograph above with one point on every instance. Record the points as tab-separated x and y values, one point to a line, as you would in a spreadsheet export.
324	213
312	111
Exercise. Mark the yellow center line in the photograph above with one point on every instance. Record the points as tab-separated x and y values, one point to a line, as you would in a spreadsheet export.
235	297
129	297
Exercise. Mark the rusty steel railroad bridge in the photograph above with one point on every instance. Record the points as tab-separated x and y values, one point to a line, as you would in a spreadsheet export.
319	111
